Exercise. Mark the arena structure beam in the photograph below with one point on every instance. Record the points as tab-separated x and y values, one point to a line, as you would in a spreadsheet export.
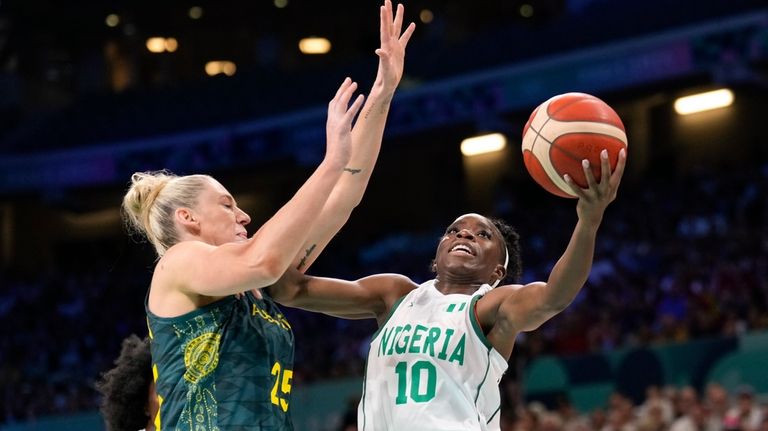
722	50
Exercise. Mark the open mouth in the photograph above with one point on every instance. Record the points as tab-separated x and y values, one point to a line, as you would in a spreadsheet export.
461	248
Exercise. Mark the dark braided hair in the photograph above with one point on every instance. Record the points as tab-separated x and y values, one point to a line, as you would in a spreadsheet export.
512	240
125	387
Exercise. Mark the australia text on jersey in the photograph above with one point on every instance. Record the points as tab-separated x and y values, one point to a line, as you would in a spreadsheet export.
280	320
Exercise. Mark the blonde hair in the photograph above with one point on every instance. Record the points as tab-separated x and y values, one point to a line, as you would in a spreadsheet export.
153	197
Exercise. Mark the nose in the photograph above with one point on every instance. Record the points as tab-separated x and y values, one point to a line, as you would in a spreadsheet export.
242	217
465	233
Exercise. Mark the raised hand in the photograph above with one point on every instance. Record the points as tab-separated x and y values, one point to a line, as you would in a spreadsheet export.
393	42
339	123
595	198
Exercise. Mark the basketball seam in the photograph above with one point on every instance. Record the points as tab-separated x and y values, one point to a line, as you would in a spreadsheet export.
570	154
550	145
549	117
535	138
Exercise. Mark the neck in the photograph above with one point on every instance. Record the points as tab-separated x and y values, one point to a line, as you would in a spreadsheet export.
446	286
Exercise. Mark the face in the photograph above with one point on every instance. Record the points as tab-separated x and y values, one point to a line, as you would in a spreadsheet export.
471	249
217	218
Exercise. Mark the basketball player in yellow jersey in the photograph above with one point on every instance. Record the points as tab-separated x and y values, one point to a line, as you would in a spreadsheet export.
442	346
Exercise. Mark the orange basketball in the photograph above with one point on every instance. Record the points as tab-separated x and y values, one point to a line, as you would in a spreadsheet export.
562	132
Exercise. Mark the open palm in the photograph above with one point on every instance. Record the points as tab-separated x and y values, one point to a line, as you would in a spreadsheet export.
393	42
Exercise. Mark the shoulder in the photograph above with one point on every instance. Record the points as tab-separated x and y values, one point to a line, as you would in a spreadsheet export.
172	270
390	287
491	304
184	249
394	281
174	260
388	284
180	257
502	293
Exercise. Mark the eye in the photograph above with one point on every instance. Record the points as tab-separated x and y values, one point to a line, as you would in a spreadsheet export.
228	206
484	234
451	230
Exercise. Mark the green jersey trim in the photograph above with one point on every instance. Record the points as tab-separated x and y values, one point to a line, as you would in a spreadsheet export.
485	376
365	381
494	414
476	325
391	312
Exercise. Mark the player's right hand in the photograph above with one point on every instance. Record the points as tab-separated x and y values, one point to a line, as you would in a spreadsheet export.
595	198
393	42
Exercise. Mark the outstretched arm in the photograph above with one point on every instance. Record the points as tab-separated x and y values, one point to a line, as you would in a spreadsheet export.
525	308
369	297
199	268
366	136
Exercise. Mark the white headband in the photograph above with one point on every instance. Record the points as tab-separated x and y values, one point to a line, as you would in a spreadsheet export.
506	262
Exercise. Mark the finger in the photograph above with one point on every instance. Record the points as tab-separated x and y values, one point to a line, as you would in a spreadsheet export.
355	108
619	172
382	53
591	183
605	169
388	16
384	25
341	89
347	95
406	36
578	191
398	24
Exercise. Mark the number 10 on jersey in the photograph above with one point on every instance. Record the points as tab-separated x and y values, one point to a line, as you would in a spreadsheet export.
418	383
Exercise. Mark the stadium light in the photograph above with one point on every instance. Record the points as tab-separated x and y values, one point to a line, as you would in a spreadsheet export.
159	45
314	45
112	20
213	68
156	44
171	44
195	12
483	144
704	101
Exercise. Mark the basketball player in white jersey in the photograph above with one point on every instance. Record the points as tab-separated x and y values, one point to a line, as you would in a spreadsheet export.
442	346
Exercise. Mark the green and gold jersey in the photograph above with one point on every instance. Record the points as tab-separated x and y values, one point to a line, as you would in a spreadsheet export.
225	366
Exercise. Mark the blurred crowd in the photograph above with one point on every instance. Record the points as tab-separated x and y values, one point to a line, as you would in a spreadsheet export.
664	409
677	259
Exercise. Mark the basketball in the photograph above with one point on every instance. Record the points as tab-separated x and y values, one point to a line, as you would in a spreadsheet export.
563	131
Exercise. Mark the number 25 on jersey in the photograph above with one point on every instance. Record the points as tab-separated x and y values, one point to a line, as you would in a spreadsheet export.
283	378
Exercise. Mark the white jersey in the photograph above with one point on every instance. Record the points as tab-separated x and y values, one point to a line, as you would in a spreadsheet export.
430	367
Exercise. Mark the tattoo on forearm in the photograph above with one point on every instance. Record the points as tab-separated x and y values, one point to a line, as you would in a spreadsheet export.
384	106
353	171
307	252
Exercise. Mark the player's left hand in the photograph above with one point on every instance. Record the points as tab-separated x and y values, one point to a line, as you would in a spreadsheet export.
393	42
595	198
340	116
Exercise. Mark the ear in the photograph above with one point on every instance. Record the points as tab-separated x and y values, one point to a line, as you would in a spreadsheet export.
186	218
498	273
